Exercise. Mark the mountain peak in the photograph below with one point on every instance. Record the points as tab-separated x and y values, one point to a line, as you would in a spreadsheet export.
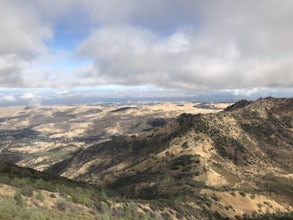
237	105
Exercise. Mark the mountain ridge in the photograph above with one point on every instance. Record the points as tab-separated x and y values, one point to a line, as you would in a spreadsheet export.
232	164
247	147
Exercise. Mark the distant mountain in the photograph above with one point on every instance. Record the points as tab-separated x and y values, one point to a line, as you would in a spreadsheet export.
237	162
126	95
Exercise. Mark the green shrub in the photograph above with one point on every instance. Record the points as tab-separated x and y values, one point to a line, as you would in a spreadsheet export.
185	145
40	196
27	191
242	194
184	161
233	194
82	199
187	168
214	197
19	199
52	195
62	205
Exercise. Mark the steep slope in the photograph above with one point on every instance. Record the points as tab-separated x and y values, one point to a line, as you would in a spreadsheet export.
236	162
29	194
32	195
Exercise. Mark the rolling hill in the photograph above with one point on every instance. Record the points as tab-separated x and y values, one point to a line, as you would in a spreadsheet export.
40	136
234	164
239	161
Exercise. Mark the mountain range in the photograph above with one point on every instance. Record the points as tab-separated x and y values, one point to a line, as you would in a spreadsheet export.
230	164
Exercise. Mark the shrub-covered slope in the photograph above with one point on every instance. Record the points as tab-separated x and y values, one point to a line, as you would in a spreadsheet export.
244	152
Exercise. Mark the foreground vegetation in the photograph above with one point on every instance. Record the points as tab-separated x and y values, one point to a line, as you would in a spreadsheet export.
36	196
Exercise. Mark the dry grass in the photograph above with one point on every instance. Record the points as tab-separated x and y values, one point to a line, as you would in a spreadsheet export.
63	125
242	203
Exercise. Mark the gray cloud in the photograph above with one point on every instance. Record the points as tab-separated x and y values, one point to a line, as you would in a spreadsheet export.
10	67
230	44
196	45
22	31
21	41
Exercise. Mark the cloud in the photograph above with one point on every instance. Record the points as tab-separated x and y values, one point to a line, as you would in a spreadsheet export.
28	96
8	98
22	38
33	99
64	93
186	59
227	45
22	31
195	45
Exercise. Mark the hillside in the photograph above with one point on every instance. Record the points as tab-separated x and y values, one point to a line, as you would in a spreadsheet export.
29	194
41	136
236	162
32	195
232	164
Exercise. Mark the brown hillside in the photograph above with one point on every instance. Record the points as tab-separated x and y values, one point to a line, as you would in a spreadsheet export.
246	149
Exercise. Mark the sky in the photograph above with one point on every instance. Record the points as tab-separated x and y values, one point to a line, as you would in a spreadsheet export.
194	45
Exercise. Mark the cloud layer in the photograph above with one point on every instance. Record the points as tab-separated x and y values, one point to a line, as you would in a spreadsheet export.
195	45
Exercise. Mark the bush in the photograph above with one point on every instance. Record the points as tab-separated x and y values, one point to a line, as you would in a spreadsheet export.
52	195
106	216
185	145
62	206
81	199
40	196
242	194
187	168
233	194
214	197
36	215
27	191
19	199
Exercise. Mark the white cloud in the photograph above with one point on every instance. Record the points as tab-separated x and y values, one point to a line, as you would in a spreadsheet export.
8	98
197	45
131	55
231	45
33	99
22	31
28	95
21	40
